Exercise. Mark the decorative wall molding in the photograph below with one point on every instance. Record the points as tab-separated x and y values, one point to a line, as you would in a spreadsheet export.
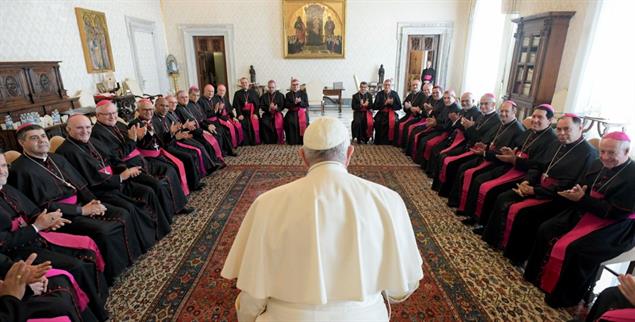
225	30
405	29
135	24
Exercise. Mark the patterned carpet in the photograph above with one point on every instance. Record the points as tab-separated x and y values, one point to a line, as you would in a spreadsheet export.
178	280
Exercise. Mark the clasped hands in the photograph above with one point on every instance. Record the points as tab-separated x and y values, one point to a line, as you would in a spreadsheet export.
50	220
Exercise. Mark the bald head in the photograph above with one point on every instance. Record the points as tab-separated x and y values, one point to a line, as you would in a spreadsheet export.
79	128
208	91
222	90
467	100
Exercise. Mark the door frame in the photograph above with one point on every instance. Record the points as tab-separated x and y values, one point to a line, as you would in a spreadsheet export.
136	24
224	30
445	31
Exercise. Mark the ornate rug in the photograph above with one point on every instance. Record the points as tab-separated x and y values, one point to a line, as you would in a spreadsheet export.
179	279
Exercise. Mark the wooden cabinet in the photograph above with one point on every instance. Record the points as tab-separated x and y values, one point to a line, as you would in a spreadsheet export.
539	42
34	86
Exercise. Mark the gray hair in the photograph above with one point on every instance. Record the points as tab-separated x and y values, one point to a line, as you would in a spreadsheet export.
337	153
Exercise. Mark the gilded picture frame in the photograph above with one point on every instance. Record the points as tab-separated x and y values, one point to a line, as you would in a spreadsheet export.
314	29
93	32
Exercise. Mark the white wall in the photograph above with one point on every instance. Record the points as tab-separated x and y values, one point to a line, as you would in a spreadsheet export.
371	37
47	30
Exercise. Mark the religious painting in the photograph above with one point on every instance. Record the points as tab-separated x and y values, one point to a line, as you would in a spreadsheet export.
314	29
93	32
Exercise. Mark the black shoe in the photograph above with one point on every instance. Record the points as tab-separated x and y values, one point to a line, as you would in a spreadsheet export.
200	186
459	213
469	221
232	154
451	203
186	210
479	230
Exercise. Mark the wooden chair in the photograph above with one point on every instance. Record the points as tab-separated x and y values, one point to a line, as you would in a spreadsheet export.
56	141
527	123
595	142
11	155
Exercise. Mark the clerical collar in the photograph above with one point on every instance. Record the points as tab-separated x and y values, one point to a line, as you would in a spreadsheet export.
493	111
574	143
32	157
621	166
328	164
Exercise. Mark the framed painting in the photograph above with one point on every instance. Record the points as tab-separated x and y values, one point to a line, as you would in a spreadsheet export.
93	32
314	29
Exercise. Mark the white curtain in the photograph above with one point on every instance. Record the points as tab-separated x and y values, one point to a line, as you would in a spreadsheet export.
608	75
484	53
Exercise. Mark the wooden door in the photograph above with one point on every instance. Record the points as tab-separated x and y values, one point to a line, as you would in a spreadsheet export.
211	60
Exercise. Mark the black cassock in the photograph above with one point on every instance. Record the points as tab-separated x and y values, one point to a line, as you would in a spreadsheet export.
531	146
220	120
272	121
505	136
297	118
150	143
456	133
48	182
415	99
559	169
59	301
194	112
386	118
241	98
113	142
24	241
482	131
162	125
421	129
226	117
361	117
194	166
137	199
608	202
443	125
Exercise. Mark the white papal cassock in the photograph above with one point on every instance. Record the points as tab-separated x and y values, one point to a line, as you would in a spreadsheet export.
324	247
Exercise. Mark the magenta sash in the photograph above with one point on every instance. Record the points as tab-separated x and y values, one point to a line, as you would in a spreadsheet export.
278	123
513	211
239	129
82	299
75	242
214	143
432	143
55	319
302	120
458	139
181	167
413	126
106	170
449	159
132	154
254	121
401	126
588	224
518	206
370	124
391	123
467	181
621	315
66	240
228	125
69	201
510	176
201	164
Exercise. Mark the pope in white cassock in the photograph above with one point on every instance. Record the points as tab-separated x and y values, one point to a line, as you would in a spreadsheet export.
324	247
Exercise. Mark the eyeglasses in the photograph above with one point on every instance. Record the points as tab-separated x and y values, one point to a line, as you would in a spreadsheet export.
164	105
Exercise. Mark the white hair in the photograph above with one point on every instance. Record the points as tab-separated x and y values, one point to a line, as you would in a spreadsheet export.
337	153
100	108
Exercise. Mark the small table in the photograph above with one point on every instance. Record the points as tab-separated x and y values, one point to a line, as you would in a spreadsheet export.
326	92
